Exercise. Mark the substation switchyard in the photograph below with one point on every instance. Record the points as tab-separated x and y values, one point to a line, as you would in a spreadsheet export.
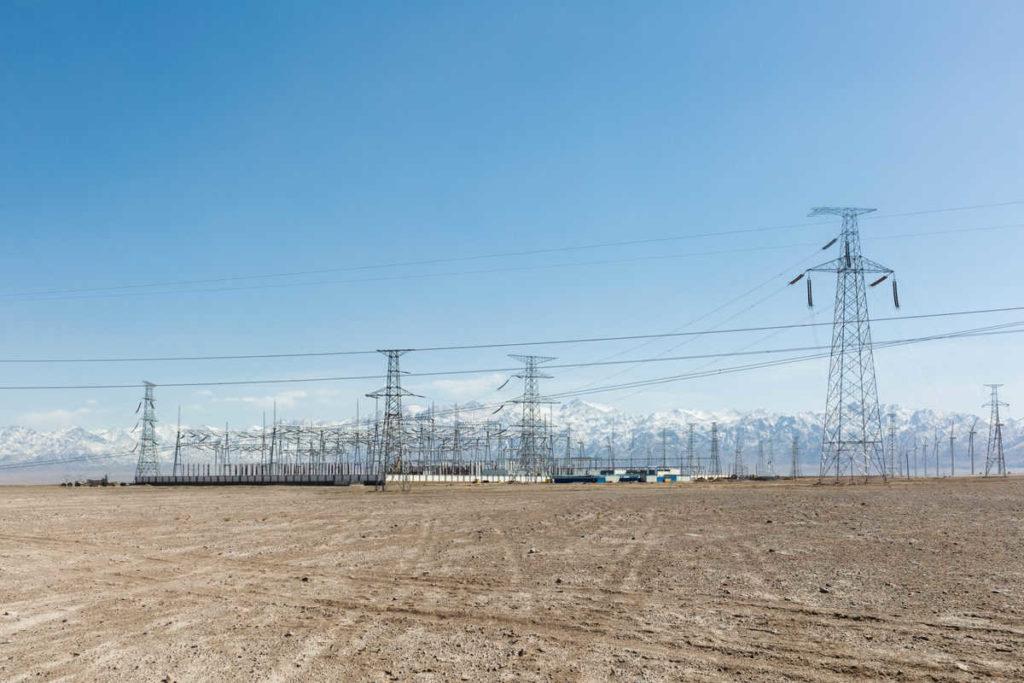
434	446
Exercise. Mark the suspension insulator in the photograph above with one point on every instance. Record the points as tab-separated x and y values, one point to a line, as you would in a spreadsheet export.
849	261
879	281
830	243
797	279
810	295
895	294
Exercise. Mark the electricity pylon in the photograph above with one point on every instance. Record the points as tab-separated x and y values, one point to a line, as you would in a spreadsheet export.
892	445
970	442
149	455
715	466
389	445
691	463
533	457
995	458
738	467
795	471
852	438
952	447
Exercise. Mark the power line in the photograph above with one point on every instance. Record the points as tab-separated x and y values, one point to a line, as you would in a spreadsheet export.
118	290
496	345
83	458
784	361
402	264
406	276
969	207
443	373
56	296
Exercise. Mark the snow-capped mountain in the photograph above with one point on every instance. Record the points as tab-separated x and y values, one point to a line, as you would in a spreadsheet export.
27	455
916	431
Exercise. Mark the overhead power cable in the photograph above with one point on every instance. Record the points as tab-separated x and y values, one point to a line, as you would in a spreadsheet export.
42	294
981	332
483	271
72	460
495	345
476	371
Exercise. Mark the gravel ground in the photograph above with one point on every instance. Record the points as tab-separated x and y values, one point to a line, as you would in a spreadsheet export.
709	581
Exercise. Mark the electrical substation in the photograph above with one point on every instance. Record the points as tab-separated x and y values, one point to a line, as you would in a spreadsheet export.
516	441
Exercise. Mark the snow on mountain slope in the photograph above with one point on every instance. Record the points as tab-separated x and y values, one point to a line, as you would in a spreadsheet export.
597	426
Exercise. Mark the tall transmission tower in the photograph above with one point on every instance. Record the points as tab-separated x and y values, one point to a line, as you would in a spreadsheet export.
892	445
738	466
177	468
970	442
995	458
715	466
664	447
852	439
389	443
952	446
915	457
533	457
691	463
795	471
149	455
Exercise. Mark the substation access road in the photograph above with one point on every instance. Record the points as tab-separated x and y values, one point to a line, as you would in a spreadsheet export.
708	581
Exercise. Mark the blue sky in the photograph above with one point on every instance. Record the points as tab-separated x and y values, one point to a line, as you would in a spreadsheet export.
153	143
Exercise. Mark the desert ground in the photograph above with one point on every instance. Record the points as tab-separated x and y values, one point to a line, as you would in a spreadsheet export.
707	581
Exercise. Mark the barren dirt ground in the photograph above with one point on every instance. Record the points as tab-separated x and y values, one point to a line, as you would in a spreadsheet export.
633	582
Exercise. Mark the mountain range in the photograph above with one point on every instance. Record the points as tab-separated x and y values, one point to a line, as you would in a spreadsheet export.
30	456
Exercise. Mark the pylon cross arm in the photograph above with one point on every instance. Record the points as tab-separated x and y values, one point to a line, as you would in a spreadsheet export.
833	266
869	266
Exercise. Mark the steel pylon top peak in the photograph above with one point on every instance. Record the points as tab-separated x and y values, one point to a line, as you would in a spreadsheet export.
843	211
531	362
527	358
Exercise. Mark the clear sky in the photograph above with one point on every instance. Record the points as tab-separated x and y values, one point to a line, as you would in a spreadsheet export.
166	142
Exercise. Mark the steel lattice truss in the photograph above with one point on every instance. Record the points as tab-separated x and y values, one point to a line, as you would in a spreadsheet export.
436	445
852	442
388	453
149	454
995	457
534	453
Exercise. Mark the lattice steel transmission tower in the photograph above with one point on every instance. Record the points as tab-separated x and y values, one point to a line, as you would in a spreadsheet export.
715	466
691	462
852	440
533	456
795	465
389	444
739	468
952	449
149	454
970	442
891	450
995	458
